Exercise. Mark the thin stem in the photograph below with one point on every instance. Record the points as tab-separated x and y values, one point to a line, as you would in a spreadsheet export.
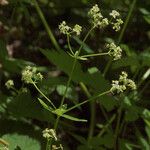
93	111
88	100
107	67
107	125
126	21
69	80
48	145
121	34
105	116
47	27
93	55
117	127
86	38
70	77
68	40
56	123
44	95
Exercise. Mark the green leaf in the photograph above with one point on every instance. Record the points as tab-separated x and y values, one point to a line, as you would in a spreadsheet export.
3	51
70	94
15	65
147	129
73	118
146	15
45	105
125	145
23	141
24	106
86	48
131	114
79	138
108	140
95	80
142	141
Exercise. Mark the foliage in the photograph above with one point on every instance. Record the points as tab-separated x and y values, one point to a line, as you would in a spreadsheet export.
72	87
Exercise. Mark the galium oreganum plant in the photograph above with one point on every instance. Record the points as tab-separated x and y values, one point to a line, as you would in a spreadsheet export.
98	21
30	75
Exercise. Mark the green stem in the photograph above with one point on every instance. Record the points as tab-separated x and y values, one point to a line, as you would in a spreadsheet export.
93	111
107	67
56	123
43	95
107	125
126	21
121	33
68	40
105	116
93	55
117	127
88	100
85	38
69	80
48	145
47	27
70	77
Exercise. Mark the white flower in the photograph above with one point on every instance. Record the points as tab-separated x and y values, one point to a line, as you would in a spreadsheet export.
77	29
114	51
64	28
49	133
103	23
29	74
9	84
95	15
122	84
117	24
114	14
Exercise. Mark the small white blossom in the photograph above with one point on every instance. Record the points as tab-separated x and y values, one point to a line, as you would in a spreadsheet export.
103	23
77	29
114	51
114	14
64	28
29	74
131	84
49	133
95	15
123	77
116	25
122	84
54	147
9	84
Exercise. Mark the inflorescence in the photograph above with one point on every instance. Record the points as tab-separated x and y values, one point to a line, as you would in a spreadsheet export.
122	84
30	75
114	51
65	29
49	134
9	84
99	21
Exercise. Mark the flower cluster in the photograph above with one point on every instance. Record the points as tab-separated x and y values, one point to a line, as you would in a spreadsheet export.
65	29
97	18
9	84
114	14
49	133
122	84
54	147
29	74
116	25
114	51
